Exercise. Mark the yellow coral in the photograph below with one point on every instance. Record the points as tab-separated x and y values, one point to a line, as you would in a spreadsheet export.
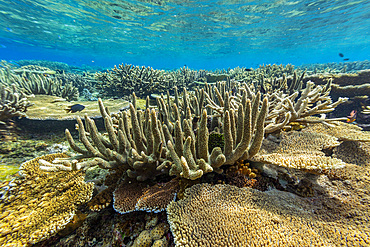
37	205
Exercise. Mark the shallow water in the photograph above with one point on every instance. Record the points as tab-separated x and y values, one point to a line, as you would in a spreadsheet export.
199	34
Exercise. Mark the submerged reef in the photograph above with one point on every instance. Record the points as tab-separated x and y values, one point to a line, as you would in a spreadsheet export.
12	103
240	163
33	80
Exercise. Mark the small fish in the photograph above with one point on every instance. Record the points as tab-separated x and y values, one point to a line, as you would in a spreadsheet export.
75	108
346	59
341	54
250	69
352	116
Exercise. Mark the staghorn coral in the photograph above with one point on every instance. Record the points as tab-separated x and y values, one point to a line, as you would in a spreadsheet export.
284	107
147	148
232	216
36	82
126	79
39	84
37	204
12	103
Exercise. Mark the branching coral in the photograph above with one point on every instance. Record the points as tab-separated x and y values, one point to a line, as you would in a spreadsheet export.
145	147
35	82
12	103
37	204
284	108
126	79
39	84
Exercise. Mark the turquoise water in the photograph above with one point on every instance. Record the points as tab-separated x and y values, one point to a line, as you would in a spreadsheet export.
199	34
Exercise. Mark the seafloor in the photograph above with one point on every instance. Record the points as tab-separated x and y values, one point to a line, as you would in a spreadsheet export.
247	203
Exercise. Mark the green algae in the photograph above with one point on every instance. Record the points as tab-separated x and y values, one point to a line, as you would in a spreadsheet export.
7	171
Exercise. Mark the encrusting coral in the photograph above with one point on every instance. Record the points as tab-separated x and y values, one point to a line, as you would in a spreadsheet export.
37	204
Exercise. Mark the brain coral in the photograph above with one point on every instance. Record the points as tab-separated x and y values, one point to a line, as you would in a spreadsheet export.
37	205
224	215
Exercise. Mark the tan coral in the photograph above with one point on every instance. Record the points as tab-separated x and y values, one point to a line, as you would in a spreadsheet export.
306	141
353	152
143	240
159	230
37	205
300	150
232	216
314	161
340	130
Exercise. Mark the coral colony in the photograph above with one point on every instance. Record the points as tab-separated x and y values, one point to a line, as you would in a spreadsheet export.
209	158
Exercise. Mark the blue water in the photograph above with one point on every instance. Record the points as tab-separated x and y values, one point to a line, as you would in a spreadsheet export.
173	33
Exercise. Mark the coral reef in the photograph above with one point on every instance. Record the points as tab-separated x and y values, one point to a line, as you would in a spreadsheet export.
284	108
258	134
126	79
36	205
232	216
45	63
336	67
12	103
39	81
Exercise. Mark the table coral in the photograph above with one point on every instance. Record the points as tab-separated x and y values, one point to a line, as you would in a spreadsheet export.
37	205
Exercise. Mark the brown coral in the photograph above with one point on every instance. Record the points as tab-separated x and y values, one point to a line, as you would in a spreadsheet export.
132	196
37	204
156	198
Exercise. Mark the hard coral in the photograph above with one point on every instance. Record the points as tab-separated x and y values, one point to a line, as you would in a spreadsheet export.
133	196
232	216
37	204
13	103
